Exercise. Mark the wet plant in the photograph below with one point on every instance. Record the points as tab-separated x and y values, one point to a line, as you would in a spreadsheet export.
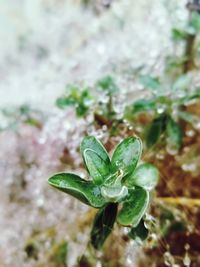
119	187
168	109
80	99
98	101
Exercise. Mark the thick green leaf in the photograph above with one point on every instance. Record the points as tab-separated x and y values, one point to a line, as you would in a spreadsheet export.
155	129
149	82
143	105
83	190
126	155
103	224
134	207
90	142
174	133
139	232
182	82
145	176
97	167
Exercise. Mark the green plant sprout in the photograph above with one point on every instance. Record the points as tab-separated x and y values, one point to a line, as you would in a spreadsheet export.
80	99
12	117
84	101
119	187
109	87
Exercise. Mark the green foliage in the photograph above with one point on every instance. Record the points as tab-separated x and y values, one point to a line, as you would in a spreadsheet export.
126	155
143	105
85	191
149	82
166	109
80	99
182	83
178	34
164	124
112	182
145	176
103	224
193	26
155	129
174	133
134	207
169	223
108	85
59	253
139	233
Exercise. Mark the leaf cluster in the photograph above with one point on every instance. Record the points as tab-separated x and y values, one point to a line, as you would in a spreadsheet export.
77	98
119	187
167	107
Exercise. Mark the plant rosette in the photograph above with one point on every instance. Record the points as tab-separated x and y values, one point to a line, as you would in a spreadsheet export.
119	180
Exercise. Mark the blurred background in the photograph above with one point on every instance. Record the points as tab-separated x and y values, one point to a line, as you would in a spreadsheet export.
46	44
50	52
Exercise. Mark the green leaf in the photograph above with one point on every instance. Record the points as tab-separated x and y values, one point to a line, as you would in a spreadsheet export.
174	133
126	155
143	105
145	176
58	253
63	102
188	117
155	129
194	24
83	190
149	82
97	167
90	142
140	232
107	84
178	34
134	207
103	225
182	82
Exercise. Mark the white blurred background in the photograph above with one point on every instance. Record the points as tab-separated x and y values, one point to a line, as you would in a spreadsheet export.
46	44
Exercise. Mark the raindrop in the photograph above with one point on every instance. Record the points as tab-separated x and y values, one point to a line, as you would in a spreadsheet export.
161	109
160	155
190	133
197	125
189	167
172	149
186	260
168	259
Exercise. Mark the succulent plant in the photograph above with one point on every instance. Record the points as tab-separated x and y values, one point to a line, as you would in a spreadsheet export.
112	182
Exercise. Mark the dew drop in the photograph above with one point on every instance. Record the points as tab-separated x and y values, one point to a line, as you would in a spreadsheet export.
186	260
161	109
189	167
190	133
172	149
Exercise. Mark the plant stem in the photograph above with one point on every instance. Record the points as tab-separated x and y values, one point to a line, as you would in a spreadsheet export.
189	53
